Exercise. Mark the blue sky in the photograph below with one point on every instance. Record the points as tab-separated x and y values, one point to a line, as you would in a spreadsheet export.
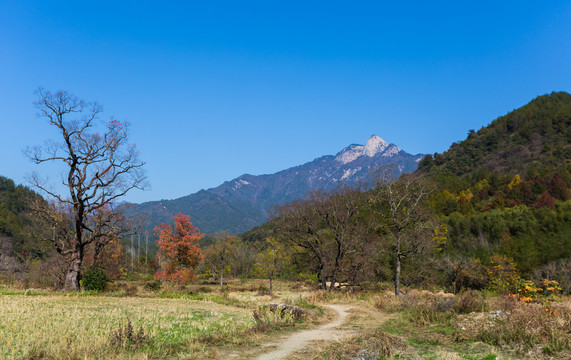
216	89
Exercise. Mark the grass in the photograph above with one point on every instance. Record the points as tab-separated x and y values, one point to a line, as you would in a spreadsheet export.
135	321
57	326
433	326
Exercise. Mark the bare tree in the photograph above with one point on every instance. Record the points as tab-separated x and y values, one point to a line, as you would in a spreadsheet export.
330	228
297	224
399	205
100	168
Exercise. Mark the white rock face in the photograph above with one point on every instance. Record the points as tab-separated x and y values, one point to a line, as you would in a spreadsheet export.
238	184
374	146
391	151
349	172
350	154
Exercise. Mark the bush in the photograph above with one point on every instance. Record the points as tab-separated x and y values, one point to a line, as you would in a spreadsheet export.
153	285
267	319
94	279
470	301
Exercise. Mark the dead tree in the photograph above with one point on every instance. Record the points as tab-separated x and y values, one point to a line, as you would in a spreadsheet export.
100	167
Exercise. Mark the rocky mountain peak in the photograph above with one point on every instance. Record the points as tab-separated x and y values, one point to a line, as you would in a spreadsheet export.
375	145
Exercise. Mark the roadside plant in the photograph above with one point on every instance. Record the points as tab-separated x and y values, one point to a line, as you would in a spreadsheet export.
94	279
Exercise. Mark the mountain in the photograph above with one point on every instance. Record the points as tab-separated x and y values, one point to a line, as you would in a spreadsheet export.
528	141
242	203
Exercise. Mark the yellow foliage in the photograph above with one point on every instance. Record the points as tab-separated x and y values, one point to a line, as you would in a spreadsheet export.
515	182
465	196
439	235
482	184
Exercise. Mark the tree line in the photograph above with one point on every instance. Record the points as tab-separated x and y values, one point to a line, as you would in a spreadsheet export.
452	224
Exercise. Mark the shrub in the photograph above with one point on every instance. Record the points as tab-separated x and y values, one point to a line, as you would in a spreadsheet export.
94	279
153	285
266	319
470	301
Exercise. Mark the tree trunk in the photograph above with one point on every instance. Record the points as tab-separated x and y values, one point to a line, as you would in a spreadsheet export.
73	274
397	272
322	278
221	282
270	286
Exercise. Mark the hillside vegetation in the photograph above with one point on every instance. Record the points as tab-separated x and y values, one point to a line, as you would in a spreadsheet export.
15	218
505	189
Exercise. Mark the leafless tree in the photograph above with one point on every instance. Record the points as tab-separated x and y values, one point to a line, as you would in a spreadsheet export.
399	206
330	228
100	168
296	223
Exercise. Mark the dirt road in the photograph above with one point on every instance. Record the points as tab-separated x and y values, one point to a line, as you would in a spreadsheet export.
300	340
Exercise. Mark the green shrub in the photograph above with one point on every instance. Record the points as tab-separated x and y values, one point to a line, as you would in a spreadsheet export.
94	279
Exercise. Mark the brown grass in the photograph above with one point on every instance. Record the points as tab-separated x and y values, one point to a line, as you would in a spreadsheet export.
525	327
366	345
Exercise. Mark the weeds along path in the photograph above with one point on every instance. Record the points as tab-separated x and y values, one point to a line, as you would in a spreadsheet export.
300	340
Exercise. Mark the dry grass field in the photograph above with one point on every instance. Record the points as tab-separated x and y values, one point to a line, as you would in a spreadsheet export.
132	321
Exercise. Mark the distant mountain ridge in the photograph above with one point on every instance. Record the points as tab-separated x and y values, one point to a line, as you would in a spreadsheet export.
242	203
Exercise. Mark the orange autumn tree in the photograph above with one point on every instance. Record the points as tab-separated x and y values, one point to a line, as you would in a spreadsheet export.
178	248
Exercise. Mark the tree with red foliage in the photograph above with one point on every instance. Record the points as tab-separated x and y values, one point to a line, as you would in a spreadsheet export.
558	187
178	246
545	201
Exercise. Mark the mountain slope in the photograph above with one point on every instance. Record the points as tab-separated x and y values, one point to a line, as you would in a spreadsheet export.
14	220
238	205
504	191
526	141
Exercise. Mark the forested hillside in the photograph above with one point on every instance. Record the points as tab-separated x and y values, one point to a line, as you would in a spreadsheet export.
505	189
532	141
15	240
494	207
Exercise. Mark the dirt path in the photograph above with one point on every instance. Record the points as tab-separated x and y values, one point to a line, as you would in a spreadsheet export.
301	339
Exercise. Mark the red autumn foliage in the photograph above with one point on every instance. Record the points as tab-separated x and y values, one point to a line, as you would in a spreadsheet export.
545	201
178	247
558	187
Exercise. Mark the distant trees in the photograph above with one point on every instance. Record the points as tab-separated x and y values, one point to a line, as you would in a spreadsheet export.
272	261
100	167
331	230
178	248
219	257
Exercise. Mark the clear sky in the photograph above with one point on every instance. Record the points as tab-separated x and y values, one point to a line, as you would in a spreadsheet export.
216	89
